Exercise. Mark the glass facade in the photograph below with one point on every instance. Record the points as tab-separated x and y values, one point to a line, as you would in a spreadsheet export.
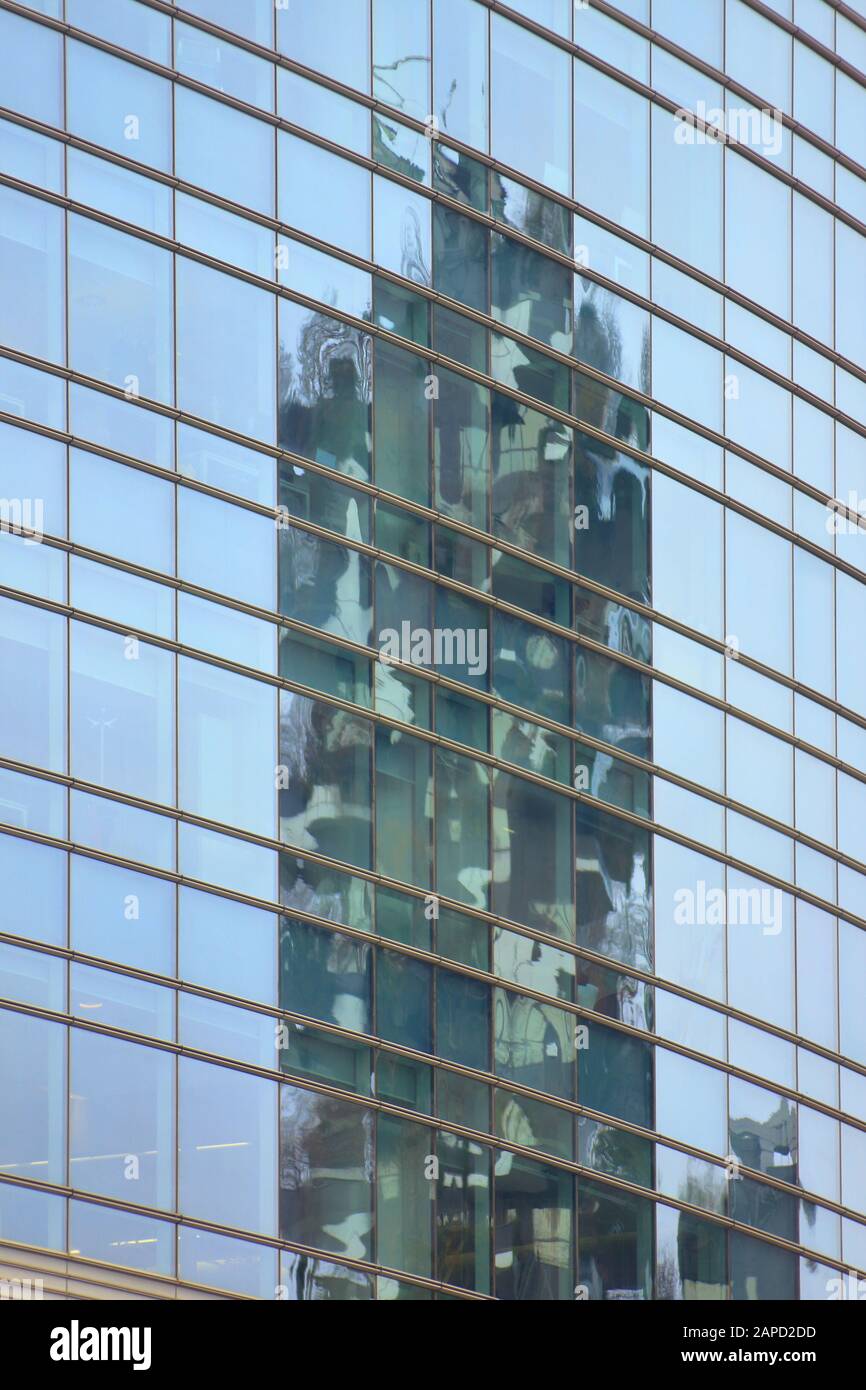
432	596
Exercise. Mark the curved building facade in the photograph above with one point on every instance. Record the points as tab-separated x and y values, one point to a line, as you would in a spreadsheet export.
432	598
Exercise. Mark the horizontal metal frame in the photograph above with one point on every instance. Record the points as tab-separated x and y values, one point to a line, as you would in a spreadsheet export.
493	325
485	599
373	1041
374	104
481	915
431	356
433	195
399	1112
178	1220
591	1172
377	718
436	959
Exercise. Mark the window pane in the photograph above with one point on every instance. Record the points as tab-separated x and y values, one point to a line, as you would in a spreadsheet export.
125	23
122	713
763	270
615	1239
533	136
35	903
32	695
325	974
105	495
463	1213
121	1001
404	805
32	263
402	231
224	66
462	846
402	417
32	1133
331	37
404	1209
118	105
210	533
224	150
324	195
227	1146
461	418
326	1171
253	19
611	154
460	70
240	715
122	915
535	1230
401	55
121	1120
325	801
225	348
120	319
25	48
687	194
315	107
121	1238
325	390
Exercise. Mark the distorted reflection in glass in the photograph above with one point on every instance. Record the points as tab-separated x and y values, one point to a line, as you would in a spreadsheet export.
325	802
534	1230
326	1173
325	390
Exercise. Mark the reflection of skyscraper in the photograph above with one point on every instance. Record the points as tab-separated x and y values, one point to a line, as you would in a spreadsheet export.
340	975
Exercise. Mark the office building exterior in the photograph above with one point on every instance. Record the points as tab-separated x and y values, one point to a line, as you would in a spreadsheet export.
432	598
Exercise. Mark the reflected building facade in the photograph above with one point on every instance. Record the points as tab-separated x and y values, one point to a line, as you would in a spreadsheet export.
433	724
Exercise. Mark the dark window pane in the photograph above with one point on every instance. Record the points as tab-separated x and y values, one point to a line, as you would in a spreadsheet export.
534	1230
324	974
325	1173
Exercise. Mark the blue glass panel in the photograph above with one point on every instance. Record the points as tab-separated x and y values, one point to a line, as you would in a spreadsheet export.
120	309
121	1001
461	81
327	113
27	48
122	713
122	511
253	19
324	195
121	1238
227	862
332	37
118	105
125	599
32	277
32	694
31	157
121	426
226	368
238	788
32	1136
126	831
534	135
119	192
401	55
35	904
121	1119
224	66
224	150
227	946
122	915
210	535
227	1146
